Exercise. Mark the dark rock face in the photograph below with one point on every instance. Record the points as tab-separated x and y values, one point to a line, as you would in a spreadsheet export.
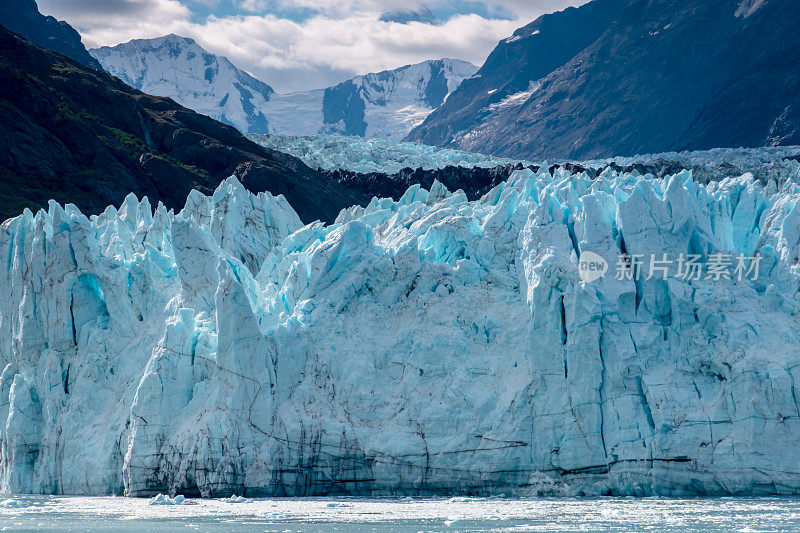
343	104
531	53
634	76
78	135
23	17
475	182
762	102
436	90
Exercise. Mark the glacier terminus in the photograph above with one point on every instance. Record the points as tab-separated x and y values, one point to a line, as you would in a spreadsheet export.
423	346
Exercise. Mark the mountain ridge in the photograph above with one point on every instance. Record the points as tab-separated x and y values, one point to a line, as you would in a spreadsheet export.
384	104
78	135
514	63
661	76
180	68
23	18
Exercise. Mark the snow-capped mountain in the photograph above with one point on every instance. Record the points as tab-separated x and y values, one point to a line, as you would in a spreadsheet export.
617	77
385	104
429	345
404	16
79	135
179	68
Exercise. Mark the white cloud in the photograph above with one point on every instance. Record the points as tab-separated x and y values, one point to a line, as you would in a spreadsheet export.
528	10
254	6
343	38
115	15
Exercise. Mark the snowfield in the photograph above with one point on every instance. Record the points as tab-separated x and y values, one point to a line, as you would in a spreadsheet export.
428	345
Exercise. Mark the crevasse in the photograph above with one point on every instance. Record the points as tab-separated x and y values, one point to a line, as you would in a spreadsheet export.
423	346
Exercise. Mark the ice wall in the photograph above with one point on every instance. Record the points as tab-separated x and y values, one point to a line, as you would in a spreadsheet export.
428	345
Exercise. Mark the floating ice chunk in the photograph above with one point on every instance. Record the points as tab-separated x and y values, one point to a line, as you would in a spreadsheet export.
11	503
237	499
163	499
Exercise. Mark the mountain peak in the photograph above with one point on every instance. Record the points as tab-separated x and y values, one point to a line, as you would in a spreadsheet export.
24	18
181	69
153	43
382	104
390	103
59	148
404	16
173	38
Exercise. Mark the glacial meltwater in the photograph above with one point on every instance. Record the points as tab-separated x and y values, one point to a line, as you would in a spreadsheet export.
59	513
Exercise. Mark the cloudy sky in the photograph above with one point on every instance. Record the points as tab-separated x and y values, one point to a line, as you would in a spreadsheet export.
304	44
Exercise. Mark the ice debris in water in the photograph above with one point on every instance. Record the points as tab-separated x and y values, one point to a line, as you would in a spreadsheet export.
429	345
11	503
238	499
163	499
331	151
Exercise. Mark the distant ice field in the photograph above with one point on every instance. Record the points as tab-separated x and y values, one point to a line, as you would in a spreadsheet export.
49	513
730	156
333	151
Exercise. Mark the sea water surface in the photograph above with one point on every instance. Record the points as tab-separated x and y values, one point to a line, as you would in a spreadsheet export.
58	513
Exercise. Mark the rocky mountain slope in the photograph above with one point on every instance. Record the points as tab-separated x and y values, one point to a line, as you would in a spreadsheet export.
229	350
384	104
23	18
179	68
78	135
389	104
619	77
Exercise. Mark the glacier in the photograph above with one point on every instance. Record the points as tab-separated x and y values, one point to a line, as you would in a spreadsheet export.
386	104
334	151
429	345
